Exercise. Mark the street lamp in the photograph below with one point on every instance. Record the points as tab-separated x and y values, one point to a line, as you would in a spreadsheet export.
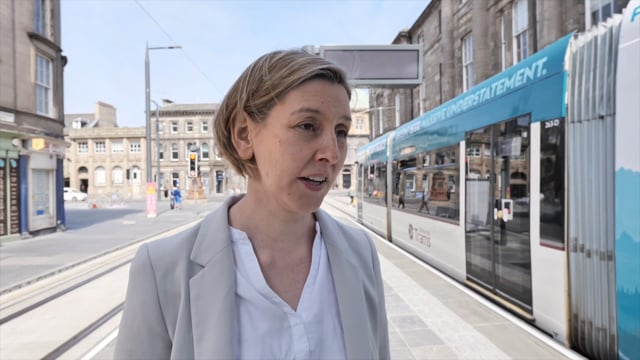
148	103
157	148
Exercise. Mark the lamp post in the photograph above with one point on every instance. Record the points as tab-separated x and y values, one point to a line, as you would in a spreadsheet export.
157	148
148	102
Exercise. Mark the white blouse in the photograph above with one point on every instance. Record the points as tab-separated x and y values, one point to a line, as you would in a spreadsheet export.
268	327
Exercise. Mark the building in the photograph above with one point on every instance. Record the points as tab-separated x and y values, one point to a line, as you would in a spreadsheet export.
359	135
32	145
465	42
104	160
182	129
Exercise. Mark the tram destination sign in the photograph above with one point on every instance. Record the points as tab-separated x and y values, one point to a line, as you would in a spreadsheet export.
378	65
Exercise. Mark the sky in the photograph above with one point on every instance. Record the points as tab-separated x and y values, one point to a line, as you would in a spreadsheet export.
105	42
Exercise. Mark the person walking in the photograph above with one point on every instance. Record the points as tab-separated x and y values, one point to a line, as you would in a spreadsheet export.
424	202
177	197
268	274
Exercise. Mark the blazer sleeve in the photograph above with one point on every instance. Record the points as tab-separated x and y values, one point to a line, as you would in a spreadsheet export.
143	333
383	327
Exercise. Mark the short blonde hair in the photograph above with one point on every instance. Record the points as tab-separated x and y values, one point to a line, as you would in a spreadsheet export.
258	89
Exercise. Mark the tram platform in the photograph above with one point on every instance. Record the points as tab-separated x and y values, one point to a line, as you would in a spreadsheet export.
430	315
434	317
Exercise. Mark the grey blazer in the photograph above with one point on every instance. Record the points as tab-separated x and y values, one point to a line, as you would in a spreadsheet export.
180	300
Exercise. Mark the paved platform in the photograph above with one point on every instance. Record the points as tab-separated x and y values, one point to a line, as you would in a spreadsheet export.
434	317
430	316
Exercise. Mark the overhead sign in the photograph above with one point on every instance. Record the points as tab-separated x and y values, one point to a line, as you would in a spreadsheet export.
378	65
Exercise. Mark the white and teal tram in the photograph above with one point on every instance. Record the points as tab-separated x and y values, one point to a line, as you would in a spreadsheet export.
527	188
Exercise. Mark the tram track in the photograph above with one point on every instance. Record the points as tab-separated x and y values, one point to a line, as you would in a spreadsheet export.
55	316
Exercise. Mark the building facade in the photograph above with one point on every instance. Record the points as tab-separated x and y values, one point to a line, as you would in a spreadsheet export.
103	160
465	42
179	129
359	134
32	145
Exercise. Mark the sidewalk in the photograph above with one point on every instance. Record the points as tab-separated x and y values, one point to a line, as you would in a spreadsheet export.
433	317
91	232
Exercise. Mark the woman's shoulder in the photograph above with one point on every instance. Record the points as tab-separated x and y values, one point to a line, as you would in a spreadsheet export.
351	237
169	251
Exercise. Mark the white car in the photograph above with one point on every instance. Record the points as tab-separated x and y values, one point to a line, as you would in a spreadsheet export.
74	194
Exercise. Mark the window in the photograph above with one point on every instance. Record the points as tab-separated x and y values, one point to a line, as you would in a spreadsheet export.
426	184
189	126
552	193
43	85
359	123
117	176
174	127
160	127
101	176
216	153
134	147
601	10
135	175
117	147
41	25
205	125
161	152
83	147
467	63
174	152
375	182
520	33
100	147
175	178
204	151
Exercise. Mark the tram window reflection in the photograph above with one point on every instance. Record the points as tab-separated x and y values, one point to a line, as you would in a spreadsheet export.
427	184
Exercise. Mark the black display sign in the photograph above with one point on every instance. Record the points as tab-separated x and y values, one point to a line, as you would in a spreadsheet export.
14	203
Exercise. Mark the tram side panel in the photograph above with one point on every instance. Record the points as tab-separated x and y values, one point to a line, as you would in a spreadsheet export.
487	222
425	216
548	253
373	196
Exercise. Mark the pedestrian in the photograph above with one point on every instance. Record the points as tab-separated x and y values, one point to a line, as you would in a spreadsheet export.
424	202
177	197
268	274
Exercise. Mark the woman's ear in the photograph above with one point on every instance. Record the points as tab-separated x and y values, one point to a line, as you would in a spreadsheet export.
241	136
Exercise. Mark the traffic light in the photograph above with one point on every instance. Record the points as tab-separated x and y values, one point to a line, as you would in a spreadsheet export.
193	164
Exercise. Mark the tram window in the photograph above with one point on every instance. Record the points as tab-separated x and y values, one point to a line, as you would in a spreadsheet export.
552	160
430	188
375	184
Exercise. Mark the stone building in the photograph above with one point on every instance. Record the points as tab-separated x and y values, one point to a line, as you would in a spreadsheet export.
465	42
185	128
104	160
32	146
359	134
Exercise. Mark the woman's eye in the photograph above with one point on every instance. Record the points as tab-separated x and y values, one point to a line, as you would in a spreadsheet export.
307	127
342	133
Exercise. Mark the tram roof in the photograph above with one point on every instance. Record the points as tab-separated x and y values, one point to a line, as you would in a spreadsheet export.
534	86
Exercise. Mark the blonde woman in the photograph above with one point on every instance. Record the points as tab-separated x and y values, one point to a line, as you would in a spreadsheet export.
267	275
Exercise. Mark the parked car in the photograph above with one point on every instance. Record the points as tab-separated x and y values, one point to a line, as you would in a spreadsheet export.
74	194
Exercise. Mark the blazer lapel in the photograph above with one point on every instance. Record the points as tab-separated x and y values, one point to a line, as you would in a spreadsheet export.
349	289
212	290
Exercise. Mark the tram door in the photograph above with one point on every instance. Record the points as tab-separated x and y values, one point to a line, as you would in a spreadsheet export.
497	210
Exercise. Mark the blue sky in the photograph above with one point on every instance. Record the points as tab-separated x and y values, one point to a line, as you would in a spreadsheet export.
105	40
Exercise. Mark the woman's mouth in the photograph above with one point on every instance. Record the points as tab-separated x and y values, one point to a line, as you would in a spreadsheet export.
314	180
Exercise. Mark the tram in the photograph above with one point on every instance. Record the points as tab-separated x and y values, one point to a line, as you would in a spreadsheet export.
526	188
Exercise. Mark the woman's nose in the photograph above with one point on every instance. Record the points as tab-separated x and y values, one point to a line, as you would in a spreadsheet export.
329	150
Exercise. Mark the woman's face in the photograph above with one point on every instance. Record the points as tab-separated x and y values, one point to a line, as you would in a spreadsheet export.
301	146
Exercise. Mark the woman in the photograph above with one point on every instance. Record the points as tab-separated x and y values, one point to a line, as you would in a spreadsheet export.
268	274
